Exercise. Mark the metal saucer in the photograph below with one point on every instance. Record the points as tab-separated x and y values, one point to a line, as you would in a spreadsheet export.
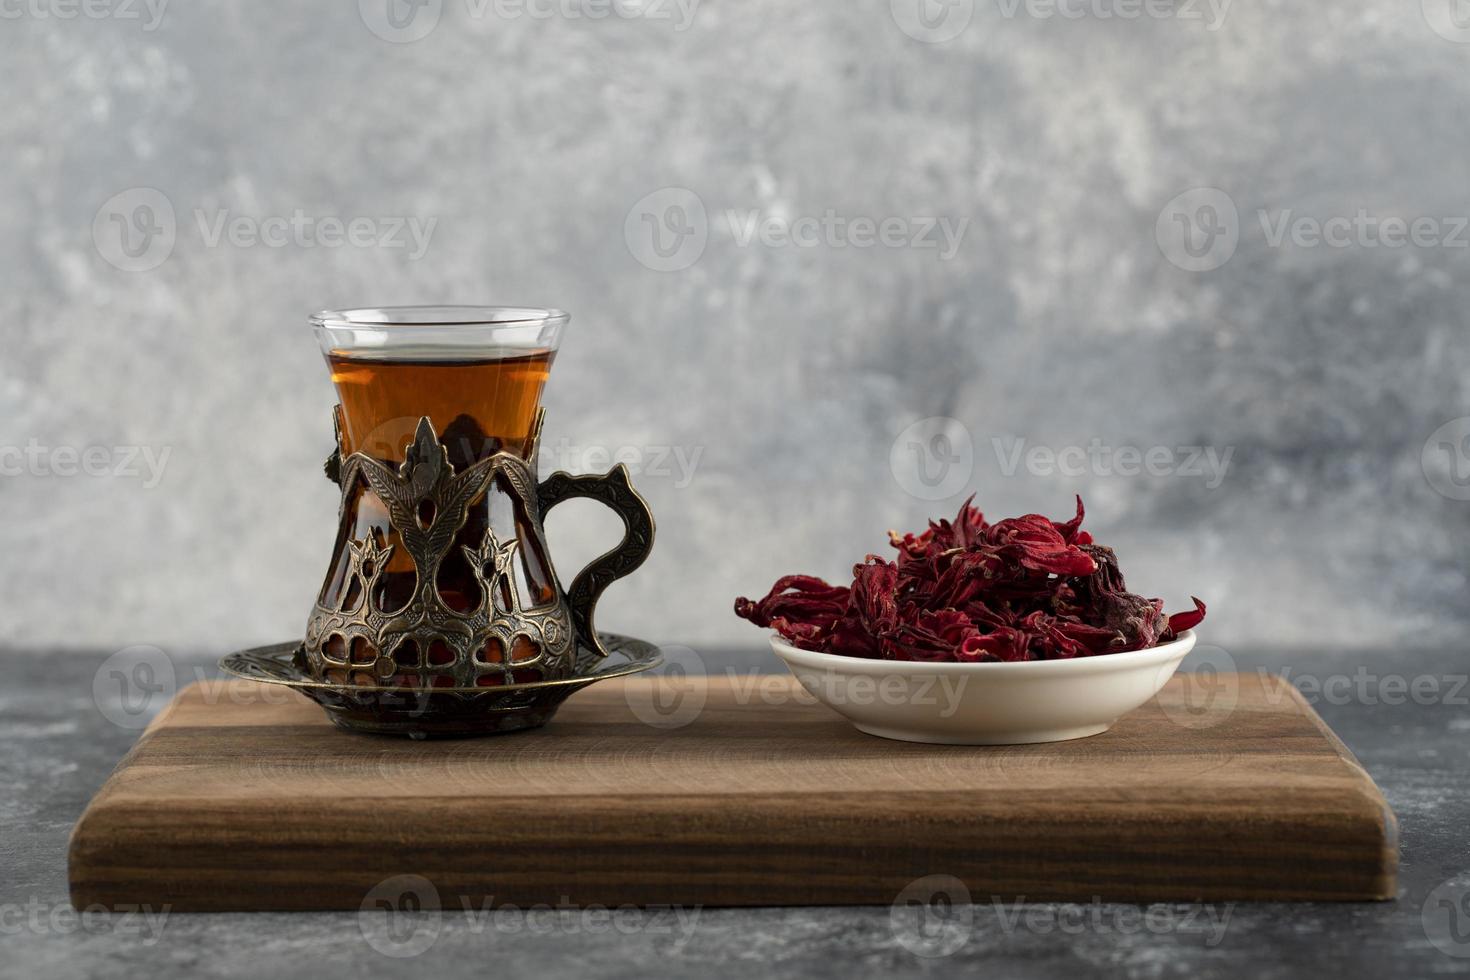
441	712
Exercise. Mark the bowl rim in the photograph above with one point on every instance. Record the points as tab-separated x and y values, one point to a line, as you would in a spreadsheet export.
1177	647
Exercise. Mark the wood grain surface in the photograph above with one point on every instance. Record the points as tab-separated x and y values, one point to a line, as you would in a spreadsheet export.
731	791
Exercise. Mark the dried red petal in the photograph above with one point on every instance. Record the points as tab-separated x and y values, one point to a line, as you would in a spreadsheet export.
873	594
1070	530
1003	644
802	608
1181	621
929	635
1034	542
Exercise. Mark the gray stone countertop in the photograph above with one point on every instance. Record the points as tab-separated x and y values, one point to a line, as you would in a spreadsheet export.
1405	715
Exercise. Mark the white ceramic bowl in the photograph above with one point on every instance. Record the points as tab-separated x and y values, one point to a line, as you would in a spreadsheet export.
985	704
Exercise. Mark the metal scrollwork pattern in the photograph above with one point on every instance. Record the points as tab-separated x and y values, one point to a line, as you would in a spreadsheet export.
431	644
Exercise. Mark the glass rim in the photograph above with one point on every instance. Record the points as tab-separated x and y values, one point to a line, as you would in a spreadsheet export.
410	317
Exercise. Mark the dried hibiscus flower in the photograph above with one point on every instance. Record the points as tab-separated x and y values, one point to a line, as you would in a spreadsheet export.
1025	588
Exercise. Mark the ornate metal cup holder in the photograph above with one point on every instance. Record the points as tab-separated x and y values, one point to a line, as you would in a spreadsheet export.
442	712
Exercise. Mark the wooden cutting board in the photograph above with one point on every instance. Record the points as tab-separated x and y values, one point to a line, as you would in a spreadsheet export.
244	797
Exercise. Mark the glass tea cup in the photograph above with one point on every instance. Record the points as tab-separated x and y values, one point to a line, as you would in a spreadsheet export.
440	575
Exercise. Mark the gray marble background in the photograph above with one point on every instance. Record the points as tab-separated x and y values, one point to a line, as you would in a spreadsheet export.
744	206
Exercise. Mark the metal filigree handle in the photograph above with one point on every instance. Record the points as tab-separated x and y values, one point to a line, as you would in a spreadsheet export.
613	489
